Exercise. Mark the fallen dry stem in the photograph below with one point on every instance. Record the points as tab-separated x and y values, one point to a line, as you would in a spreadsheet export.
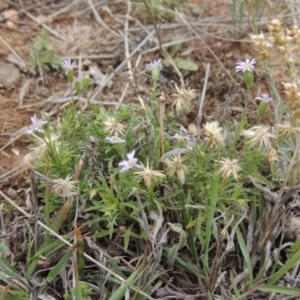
207	47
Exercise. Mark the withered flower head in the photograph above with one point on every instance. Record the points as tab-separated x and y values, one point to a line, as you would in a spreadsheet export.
65	187
271	156
112	125
176	166
149	175
259	135
214	132
287	129
182	98
229	167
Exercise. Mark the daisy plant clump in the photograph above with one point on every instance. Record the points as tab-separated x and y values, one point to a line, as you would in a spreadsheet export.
132	178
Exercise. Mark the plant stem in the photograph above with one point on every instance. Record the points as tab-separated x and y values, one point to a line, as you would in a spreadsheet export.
187	221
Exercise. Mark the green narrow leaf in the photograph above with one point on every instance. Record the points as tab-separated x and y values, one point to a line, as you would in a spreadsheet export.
235	289
172	254
245	254
285	268
56	269
126	237
55	226
280	290
210	218
120	292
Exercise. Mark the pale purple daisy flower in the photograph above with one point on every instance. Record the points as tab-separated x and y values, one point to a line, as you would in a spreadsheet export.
130	163
36	124
68	65
177	137
153	64
115	139
247	65
265	97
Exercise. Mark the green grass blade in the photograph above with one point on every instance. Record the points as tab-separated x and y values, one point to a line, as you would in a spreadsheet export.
56	269
234	287
280	290
245	254
120	292
285	268
210	218
55	226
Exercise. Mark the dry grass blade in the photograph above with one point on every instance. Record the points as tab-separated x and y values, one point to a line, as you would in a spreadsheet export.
99	20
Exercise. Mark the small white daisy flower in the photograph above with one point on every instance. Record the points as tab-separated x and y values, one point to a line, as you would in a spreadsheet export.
130	163
247	65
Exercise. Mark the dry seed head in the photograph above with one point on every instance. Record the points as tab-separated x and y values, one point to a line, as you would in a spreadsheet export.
287	129
111	125
149	175
257	39
290	90
28	162
214	132
271	156
293	31
275	26
182	98
229	167
281	49
259	135
42	147
65	187
270	40
176	166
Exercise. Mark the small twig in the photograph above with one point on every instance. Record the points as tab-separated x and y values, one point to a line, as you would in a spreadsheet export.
171	61
155	27
53	32
57	13
126	46
99	19
201	102
12	50
162	111
207	47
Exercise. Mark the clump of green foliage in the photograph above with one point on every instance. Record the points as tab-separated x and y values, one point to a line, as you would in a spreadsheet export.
41	54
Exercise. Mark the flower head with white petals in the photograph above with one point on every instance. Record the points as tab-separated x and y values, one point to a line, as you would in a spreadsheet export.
153	64
115	139
68	65
130	163
247	65
35	126
265	98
